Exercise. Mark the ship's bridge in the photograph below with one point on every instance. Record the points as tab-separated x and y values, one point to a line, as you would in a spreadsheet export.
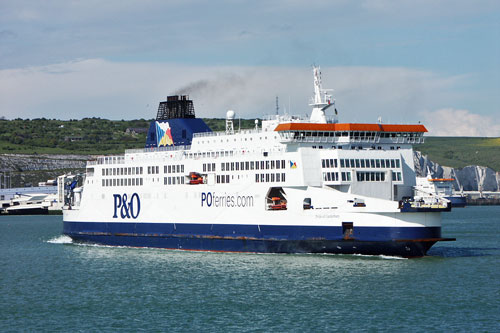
348	133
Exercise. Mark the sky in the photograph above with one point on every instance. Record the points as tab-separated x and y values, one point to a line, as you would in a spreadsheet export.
435	62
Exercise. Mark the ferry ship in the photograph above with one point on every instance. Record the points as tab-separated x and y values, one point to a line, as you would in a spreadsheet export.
290	185
429	189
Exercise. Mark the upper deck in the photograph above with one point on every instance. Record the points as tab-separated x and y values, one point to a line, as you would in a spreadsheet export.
351	132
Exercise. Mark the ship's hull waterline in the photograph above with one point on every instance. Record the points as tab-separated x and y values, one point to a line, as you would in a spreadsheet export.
404	242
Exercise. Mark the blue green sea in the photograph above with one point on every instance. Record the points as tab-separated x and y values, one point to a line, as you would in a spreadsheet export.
48	283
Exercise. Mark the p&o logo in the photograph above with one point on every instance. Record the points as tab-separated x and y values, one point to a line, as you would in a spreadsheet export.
125	207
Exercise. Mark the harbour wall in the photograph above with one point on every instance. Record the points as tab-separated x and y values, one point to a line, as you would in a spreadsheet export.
23	170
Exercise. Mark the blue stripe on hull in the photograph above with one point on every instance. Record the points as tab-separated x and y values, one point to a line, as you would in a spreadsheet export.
408	242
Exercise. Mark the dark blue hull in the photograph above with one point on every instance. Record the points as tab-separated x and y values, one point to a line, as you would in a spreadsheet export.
405	242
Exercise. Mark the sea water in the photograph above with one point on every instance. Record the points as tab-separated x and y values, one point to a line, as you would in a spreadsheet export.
47	283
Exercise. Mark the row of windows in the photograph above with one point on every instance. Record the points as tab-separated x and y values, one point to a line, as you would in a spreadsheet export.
269	177
122	182
153	169
321	147
111	160
223	179
329	163
122	171
346	176
176	168
211	154
250	138
361	163
330	176
332	134
369	163
397	135
370	176
241	139
209	167
253	165
353	147
361	134
173	180
361	176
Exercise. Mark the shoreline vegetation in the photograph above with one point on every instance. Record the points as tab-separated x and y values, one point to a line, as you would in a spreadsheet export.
88	136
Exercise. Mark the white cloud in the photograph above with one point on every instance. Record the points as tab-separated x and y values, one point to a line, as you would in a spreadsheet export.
99	88
452	122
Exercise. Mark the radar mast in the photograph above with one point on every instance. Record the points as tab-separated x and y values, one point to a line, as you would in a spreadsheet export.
321	100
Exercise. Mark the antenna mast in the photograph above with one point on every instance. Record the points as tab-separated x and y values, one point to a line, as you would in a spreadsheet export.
320	103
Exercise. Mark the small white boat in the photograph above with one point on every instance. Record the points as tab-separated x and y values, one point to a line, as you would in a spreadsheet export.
431	189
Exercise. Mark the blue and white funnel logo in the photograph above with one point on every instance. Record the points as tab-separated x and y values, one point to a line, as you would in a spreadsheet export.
125	207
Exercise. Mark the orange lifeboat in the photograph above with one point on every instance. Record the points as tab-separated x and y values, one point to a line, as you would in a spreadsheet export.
277	204
195	178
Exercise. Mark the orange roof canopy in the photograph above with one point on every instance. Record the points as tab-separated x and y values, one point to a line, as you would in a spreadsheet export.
350	127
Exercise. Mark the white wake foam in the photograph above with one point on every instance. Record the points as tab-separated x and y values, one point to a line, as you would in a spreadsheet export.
61	239
381	256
